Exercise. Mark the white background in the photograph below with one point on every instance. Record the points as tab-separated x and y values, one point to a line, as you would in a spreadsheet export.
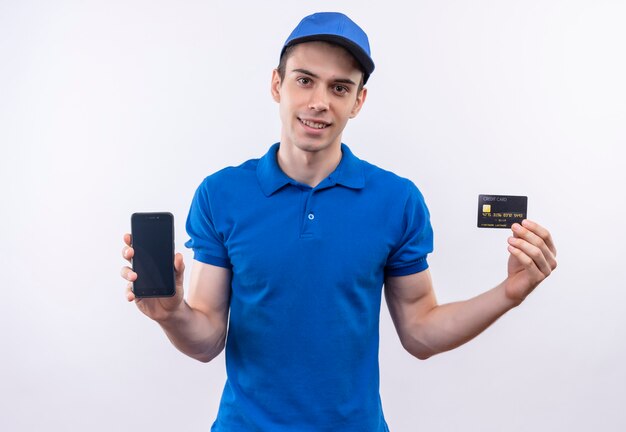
112	107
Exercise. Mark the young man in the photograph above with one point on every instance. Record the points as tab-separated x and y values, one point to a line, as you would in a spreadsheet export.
291	252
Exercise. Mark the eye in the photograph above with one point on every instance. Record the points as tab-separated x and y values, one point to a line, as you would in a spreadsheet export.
304	81
339	89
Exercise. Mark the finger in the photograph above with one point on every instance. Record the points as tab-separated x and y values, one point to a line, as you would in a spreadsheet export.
541	232
128	239
128	253
179	265
130	295
534	253
128	274
524	259
526	234
528	264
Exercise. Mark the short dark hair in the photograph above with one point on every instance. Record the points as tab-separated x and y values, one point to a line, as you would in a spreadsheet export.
282	64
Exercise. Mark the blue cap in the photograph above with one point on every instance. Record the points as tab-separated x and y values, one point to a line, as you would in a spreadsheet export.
336	28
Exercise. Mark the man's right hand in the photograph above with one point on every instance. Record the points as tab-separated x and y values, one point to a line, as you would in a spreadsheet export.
158	308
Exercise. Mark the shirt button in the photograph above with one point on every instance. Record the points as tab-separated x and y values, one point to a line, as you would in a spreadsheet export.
311	216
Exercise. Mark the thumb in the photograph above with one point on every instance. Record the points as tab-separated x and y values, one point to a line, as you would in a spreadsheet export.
179	265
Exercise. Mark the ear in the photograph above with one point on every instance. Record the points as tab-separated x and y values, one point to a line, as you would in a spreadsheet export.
275	87
358	104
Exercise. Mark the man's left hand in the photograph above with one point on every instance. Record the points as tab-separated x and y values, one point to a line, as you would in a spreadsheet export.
532	259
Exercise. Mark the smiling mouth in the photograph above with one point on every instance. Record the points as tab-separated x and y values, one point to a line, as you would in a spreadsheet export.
314	125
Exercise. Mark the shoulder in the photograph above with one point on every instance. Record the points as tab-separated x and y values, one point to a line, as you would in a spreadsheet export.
231	177
227	185
232	173
380	179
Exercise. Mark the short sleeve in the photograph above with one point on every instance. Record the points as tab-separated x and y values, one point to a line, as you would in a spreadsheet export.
205	240
416	241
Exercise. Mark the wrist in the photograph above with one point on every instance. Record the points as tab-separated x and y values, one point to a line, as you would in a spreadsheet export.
171	316
512	296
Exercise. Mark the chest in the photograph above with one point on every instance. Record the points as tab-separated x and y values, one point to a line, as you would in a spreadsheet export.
336	240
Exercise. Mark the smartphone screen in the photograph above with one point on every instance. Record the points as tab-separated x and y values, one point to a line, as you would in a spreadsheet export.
153	242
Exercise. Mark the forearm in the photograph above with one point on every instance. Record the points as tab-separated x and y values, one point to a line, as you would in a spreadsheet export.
194	334
448	326
425	328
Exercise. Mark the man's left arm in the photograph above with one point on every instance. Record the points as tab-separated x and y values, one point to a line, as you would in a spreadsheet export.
426	328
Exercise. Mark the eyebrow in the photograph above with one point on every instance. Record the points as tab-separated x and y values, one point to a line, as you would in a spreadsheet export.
338	80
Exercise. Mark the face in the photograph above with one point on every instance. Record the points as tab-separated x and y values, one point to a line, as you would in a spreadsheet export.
317	96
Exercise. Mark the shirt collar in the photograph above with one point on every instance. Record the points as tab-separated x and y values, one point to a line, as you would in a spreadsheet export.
349	172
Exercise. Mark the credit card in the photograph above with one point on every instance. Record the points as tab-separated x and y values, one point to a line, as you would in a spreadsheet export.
501	211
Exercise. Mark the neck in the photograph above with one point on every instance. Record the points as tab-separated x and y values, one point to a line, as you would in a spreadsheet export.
308	167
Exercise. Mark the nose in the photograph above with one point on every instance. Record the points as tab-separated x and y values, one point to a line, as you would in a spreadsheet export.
319	99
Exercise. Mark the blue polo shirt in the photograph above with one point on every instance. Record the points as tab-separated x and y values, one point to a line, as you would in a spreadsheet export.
308	265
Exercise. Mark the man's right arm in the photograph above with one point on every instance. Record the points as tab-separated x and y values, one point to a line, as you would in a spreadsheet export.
197	327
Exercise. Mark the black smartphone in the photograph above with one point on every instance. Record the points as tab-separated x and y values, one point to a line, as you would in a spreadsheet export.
153	242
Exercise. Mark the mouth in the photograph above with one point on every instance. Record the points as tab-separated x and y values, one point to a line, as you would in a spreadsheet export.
314	124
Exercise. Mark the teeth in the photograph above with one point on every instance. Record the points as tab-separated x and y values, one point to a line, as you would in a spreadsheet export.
313	124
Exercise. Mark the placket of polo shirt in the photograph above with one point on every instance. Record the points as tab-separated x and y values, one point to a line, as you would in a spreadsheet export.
307	217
